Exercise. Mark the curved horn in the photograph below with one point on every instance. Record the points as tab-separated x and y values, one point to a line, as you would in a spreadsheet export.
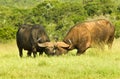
62	44
46	44
39	39
70	41
42	44
70	44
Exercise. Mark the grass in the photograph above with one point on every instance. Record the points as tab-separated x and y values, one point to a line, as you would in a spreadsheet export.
94	64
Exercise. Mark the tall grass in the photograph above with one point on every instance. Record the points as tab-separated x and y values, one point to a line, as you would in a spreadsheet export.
94	64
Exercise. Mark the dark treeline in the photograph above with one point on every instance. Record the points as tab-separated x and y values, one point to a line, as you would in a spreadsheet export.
57	16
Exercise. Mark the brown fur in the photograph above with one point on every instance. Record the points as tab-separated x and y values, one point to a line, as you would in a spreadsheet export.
88	34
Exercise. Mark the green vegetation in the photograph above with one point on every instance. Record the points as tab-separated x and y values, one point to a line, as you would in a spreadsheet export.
94	64
57	16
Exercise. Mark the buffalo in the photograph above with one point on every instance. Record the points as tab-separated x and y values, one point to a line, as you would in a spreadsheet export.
30	37
88	34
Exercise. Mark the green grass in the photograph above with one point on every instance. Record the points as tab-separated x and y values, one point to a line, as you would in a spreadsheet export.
27	4
94	64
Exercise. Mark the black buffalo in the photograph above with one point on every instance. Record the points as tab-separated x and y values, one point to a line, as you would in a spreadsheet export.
29	37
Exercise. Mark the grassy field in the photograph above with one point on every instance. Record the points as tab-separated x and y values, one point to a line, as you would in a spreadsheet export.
94	64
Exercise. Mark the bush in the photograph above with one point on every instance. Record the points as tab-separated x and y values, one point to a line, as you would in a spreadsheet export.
7	33
57	17
63	15
117	28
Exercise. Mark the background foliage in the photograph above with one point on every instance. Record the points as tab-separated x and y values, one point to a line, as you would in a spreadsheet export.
57	16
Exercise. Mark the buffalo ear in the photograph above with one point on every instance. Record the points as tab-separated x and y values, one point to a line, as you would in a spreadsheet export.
62	44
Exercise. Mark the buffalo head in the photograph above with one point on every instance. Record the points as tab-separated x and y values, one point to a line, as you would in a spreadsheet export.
55	48
48	47
61	48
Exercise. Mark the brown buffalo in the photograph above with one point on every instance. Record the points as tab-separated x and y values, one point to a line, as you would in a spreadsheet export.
85	35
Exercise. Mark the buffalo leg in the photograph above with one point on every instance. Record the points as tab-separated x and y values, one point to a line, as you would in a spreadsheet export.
82	50
79	52
110	42
34	54
34	51
20	52
40	53
101	46
29	53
